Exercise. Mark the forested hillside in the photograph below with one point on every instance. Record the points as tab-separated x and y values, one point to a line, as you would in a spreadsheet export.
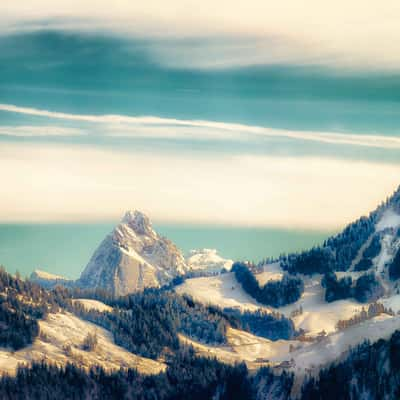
371	371
338	252
22	304
187	377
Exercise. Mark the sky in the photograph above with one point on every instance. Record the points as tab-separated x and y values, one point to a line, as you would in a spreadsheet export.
253	113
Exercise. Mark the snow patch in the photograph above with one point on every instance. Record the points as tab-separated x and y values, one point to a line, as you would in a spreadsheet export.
389	219
271	272
90	304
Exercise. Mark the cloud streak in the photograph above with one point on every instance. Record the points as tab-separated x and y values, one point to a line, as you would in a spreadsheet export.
169	128
39	131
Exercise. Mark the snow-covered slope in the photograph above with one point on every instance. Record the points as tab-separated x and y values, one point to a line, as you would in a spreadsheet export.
323	343
221	290
243	346
316	316
207	260
300	357
60	341
132	257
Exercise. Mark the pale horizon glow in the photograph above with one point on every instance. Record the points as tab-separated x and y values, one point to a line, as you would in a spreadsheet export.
59	183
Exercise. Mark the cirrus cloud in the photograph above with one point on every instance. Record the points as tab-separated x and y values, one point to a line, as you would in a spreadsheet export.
156	127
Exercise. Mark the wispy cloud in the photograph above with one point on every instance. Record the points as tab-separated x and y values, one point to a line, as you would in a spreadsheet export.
38	131
156	127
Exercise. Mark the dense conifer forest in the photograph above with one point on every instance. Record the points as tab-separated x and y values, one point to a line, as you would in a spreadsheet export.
394	267
371	371
274	293
338	252
187	377
146	323
22	303
365	289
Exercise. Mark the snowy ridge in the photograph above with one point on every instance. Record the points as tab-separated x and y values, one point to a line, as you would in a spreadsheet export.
48	280
207	260
39	274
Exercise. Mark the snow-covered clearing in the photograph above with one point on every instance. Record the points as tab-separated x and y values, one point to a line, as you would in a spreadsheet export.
94	305
60	341
224	291
303	358
392	302
221	290
243	346
354	275
318	315
386	254
360	253
271	272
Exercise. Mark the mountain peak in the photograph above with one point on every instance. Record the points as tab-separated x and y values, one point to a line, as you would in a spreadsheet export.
133	256
138	221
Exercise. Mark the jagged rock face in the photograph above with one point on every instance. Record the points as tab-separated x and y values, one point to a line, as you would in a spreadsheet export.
132	257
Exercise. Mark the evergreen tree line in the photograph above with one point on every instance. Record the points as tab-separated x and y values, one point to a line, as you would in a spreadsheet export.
369	254
274	293
338	252
394	267
145	323
365	289
270	325
22	303
149	322
371	371
372	311
187	377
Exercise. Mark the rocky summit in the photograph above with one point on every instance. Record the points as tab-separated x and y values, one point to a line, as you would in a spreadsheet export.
132	257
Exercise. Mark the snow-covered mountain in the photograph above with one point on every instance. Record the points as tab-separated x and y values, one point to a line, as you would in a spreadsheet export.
132	257
207	260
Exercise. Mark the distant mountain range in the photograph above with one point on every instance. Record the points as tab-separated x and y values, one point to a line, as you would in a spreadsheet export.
134	257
